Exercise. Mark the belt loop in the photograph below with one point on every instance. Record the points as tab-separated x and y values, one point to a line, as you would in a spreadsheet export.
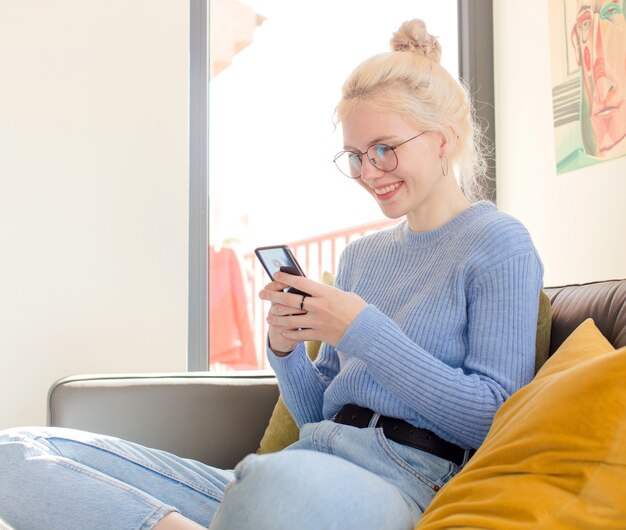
374	420
466	456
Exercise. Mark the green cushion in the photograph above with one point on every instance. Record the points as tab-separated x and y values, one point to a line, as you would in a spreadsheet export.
544	327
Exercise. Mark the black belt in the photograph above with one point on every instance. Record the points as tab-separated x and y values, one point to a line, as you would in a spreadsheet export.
404	433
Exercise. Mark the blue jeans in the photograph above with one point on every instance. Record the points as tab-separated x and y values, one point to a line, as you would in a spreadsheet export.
336	476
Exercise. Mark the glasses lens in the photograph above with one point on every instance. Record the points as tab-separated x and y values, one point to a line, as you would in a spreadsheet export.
349	164
382	157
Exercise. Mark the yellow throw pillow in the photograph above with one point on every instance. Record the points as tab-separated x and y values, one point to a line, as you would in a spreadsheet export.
555	456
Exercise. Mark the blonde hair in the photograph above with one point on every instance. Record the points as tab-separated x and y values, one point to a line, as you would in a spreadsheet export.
410	81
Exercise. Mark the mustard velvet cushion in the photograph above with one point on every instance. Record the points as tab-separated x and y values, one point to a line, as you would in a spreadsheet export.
555	457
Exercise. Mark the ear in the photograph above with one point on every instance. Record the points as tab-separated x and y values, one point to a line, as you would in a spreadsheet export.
448	136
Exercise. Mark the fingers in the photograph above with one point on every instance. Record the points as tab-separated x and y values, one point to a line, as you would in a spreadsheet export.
300	334
295	303
302	302
285	339
281	310
301	283
276	286
283	321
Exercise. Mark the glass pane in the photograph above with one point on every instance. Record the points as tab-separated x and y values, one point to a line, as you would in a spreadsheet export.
272	141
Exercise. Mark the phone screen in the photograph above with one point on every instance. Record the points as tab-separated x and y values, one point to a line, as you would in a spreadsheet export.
279	258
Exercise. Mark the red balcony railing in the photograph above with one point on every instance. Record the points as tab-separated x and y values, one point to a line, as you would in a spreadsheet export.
316	255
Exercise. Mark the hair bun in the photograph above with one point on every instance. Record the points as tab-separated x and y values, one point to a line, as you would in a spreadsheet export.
413	37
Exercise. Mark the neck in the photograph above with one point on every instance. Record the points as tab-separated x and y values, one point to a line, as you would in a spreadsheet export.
439	210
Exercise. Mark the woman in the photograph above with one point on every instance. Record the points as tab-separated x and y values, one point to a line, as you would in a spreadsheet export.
430	327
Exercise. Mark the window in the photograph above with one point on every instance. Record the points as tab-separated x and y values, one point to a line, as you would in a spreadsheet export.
271	141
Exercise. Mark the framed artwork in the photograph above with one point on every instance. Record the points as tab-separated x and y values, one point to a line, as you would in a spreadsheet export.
588	58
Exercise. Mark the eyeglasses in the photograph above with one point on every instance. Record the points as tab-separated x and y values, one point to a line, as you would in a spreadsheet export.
381	156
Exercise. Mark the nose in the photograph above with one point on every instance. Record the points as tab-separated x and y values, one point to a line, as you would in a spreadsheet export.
603	86
369	172
598	64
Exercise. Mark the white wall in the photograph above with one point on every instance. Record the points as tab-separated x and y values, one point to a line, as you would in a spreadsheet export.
93	193
577	219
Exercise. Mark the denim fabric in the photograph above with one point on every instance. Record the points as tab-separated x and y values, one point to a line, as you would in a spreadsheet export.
336	476
60	479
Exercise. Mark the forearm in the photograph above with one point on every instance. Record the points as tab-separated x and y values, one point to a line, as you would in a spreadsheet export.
301	385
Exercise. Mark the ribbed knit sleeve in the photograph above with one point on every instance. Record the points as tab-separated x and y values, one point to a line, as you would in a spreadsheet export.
302	384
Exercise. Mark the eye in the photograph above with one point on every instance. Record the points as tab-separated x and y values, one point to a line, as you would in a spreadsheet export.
378	154
355	159
381	150
610	10
584	24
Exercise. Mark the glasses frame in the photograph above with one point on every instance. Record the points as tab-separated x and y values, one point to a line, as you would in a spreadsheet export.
369	159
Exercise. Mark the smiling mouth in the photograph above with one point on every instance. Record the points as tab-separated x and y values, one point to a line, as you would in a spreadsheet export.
386	189
605	111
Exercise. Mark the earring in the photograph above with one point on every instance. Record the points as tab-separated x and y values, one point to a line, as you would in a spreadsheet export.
444	170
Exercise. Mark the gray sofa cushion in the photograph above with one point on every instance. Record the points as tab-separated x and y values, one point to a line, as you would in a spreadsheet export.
212	417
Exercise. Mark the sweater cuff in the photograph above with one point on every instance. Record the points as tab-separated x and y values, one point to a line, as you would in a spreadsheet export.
288	362
361	336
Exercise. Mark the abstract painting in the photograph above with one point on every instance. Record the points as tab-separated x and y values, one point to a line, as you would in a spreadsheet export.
588	56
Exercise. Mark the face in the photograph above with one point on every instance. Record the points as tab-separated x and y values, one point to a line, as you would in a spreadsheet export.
599	39
416	187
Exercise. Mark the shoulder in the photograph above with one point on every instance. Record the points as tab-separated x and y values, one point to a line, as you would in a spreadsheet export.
495	237
487	227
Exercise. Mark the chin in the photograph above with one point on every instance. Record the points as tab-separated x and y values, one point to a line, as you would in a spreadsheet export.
615	151
392	213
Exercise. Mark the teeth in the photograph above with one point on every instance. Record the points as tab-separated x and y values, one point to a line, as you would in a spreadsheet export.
387	189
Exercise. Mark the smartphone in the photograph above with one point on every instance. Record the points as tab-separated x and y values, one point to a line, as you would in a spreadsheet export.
280	258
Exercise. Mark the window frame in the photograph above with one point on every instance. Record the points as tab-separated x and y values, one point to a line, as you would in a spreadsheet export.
475	22
198	298
475	26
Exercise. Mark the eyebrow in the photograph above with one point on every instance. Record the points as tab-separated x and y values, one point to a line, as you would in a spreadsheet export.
375	141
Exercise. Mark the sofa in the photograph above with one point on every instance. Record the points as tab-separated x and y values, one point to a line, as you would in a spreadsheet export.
554	458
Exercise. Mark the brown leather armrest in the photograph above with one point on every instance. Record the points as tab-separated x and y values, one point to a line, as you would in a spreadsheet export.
603	301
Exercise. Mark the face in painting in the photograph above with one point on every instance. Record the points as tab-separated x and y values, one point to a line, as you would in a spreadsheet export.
415	188
599	39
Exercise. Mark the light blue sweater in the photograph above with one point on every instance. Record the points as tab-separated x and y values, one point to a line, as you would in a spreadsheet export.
448	333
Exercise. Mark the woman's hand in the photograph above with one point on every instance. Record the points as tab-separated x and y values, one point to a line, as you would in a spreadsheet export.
324	315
